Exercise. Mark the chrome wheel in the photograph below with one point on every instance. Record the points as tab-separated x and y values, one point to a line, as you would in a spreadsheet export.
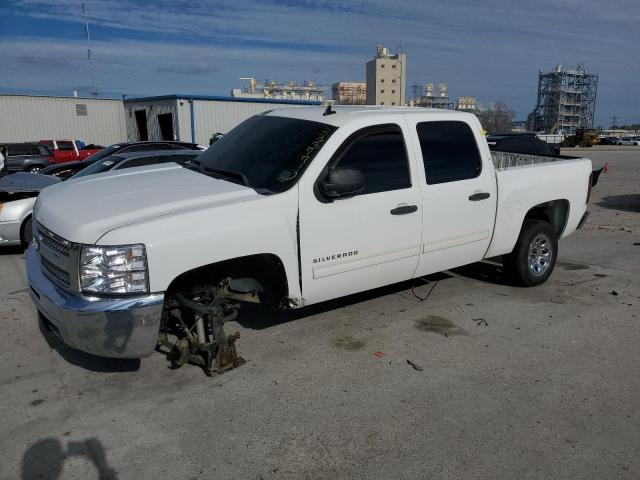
540	255
34	170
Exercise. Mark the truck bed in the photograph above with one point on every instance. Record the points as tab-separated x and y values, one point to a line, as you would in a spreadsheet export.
504	160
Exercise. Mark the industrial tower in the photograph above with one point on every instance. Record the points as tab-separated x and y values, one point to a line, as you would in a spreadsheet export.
566	101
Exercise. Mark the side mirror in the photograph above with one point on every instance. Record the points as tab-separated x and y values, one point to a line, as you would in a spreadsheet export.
343	182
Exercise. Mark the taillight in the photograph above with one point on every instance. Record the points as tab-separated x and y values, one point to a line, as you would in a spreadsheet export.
589	187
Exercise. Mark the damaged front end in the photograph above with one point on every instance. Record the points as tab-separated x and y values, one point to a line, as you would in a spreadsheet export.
192	328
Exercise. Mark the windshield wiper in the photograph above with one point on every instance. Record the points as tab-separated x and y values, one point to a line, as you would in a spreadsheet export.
235	177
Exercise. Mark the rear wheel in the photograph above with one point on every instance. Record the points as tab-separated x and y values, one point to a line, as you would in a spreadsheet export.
35	169
27	231
533	258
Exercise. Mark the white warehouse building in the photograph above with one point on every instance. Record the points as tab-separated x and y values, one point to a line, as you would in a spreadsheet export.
189	118
29	118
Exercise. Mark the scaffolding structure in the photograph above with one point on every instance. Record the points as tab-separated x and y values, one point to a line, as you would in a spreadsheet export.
566	101
349	93
307	90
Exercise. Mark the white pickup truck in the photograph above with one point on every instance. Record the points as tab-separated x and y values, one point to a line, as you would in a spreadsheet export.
293	207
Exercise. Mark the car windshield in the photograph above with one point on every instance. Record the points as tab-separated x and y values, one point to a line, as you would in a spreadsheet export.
100	166
266	153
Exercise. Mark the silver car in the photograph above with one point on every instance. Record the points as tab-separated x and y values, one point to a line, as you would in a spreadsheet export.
18	192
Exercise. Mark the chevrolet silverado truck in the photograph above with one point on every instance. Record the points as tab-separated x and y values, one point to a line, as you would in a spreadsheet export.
292	207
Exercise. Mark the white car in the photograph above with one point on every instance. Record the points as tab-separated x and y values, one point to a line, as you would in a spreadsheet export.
291	208
629	141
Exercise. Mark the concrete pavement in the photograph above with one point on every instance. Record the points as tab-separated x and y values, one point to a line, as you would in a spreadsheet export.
520	383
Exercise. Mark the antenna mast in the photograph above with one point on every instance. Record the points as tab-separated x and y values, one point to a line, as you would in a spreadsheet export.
94	93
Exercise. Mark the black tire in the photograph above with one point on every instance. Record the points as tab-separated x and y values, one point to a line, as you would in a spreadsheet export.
27	232
534	257
35	169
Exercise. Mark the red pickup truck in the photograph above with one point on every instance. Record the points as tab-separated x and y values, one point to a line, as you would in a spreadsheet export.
68	150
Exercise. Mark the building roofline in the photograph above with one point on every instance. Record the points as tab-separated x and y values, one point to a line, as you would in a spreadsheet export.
221	98
71	97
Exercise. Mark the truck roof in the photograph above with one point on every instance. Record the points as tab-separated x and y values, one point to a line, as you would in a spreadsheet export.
347	113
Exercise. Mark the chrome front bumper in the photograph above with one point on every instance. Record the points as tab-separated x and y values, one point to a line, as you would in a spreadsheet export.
108	327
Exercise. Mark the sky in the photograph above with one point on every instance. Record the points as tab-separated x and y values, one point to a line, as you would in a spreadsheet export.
489	49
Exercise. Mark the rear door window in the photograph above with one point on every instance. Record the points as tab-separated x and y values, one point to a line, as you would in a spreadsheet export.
65	145
449	151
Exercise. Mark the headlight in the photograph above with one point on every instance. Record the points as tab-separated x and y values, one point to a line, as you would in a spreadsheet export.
110	270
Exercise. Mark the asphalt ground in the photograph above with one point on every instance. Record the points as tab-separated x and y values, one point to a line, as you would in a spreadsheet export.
506	382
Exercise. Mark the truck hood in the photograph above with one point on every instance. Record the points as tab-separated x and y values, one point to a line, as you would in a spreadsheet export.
84	209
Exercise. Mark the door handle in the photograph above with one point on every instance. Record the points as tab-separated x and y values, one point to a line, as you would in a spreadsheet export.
404	210
479	196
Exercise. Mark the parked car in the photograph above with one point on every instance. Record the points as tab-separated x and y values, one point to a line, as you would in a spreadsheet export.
292	207
27	157
69	150
18	192
609	140
527	143
629	141
67	170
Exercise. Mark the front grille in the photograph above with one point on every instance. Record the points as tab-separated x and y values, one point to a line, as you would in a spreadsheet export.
59	257
54	243
56	272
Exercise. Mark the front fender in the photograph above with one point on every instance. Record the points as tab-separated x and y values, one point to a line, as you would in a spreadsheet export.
181	242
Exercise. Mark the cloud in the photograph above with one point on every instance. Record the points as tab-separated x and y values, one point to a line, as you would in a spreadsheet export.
488	49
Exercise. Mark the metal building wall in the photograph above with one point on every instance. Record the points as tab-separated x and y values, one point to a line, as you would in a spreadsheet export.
153	108
27	118
219	116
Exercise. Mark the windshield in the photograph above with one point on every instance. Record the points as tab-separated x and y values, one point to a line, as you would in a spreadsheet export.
265	153
100	166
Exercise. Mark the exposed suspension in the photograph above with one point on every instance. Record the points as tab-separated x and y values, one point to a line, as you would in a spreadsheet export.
193	327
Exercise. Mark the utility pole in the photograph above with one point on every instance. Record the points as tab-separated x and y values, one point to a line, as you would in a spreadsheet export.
614	121
94	93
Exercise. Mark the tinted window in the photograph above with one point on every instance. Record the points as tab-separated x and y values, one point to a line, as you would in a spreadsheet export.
65	146
139	162
449	151
382	159
18	150
102	165
265	153
147	147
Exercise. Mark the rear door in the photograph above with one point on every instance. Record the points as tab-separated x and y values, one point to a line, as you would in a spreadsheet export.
371	239
458	191
66	151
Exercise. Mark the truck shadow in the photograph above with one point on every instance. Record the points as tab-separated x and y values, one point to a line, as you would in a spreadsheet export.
13	250
256	318
626	203
489	271
84	360
45	459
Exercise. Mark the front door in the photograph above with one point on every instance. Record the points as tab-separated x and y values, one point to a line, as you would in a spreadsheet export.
459	195
372	238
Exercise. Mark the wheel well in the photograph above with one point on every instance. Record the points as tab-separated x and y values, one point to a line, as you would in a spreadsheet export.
555	212
23	226
262	272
